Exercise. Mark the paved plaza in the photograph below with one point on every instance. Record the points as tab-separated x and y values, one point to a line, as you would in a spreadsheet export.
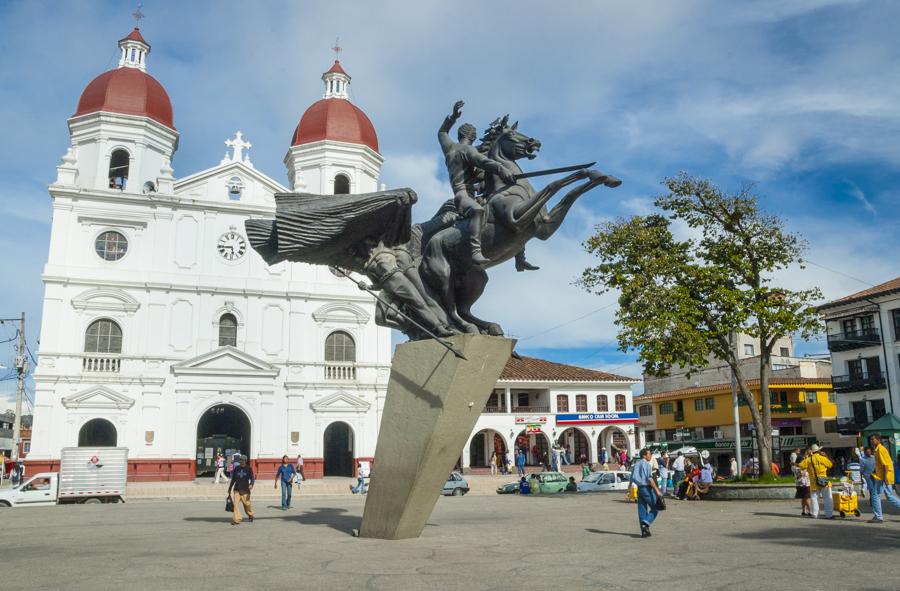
471	543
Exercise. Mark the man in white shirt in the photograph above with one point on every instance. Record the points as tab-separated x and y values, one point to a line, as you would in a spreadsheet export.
677	471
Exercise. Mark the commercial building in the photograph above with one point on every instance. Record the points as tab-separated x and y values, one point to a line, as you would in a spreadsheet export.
863	332
803	412
538	403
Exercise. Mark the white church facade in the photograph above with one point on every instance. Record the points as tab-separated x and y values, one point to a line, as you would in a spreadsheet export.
164	332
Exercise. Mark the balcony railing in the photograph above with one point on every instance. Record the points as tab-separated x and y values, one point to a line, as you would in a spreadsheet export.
494	409
340	372
850	426
858	382
101	364
529	409
789	407
856	339
679	415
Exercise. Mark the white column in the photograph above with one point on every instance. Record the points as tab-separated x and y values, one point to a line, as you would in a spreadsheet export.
508	400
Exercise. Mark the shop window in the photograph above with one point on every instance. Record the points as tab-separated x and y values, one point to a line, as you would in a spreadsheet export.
650	436
831	426
709	432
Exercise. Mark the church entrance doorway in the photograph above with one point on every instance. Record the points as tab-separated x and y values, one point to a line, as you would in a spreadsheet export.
224	429
338	448
97	433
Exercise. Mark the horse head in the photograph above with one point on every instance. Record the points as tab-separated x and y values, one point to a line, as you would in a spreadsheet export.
508	143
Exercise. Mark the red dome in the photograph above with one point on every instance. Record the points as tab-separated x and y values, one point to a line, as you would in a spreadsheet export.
128	91
335	119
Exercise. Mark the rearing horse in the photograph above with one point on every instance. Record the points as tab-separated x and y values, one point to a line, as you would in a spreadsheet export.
516	213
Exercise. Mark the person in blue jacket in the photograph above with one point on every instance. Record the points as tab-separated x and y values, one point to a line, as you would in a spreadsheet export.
285	475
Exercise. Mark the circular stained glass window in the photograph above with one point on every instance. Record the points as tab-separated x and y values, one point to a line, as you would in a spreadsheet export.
111	246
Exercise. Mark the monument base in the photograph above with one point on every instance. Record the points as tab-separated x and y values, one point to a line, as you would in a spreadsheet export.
433	401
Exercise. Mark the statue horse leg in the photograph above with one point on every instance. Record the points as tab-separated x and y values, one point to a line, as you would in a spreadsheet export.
471	289
548	224
439	275
518	217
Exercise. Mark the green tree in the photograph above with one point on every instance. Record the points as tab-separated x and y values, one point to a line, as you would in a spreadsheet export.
682	300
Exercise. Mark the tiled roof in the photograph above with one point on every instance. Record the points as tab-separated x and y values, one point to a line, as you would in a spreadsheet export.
540	370
773	383
885	288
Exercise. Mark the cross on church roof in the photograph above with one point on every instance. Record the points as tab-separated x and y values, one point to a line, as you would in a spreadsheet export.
337	49
138	15
237	146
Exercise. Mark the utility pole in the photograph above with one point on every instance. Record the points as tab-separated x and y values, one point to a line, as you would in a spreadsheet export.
21	369
737	414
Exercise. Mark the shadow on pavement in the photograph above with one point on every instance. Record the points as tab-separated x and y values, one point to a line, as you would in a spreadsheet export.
333	518
825	534
613	533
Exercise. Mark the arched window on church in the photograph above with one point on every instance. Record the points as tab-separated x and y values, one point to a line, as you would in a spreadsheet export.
103	336
118	169
339	346
341	184
235	187
228	330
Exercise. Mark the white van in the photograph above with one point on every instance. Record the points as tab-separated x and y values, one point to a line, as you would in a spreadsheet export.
86	475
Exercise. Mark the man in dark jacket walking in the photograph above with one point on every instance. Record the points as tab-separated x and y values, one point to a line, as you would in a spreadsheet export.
242	480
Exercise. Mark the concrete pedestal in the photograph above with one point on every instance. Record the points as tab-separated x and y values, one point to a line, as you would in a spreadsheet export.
433	401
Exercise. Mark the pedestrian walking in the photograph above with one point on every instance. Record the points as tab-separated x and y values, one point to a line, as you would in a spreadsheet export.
494	463
801	482
285	475
866	468
299	466
602	455
362	472
520	463
678	470
585	470
240	487
663	463
733	469
648	492
220	467
818	464
555	465
882	478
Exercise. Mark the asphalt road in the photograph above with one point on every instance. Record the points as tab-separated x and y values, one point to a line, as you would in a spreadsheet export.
471	543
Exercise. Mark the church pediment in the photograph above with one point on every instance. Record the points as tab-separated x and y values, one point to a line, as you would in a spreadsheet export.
340	402
107	300
341	312
98	397
225	361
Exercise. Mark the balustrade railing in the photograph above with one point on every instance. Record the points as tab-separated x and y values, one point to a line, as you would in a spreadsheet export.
101	364
340	372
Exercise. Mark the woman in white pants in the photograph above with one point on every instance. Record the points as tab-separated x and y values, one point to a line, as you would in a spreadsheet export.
818	464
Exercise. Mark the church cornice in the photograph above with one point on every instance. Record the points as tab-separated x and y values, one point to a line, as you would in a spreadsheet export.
181	203
209	173
211	289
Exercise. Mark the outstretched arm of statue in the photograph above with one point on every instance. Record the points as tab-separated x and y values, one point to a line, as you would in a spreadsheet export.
449	121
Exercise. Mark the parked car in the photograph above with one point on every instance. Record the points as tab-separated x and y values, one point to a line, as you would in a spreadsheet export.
86	475
510	488
543	483
605	481
455	486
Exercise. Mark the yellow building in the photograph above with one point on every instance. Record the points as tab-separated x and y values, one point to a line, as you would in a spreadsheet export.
803	412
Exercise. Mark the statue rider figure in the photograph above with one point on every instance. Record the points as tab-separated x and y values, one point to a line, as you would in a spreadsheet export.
463	161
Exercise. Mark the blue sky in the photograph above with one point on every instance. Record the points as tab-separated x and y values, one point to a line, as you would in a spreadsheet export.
801	98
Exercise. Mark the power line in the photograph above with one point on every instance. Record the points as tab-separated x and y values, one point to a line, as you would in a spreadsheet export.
864	282
583	316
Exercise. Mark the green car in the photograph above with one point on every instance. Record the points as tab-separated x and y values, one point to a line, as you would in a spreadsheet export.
547	482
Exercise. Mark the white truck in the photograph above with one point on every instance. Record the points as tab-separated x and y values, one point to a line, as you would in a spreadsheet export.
86	475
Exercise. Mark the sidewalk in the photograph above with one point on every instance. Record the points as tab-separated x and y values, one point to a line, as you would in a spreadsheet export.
204	490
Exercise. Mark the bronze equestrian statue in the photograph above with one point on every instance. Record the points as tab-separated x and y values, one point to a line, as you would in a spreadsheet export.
427	277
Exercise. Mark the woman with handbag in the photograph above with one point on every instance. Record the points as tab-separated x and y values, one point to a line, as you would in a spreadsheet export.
818	464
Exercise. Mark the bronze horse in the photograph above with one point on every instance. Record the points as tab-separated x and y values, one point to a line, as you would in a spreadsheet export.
516	213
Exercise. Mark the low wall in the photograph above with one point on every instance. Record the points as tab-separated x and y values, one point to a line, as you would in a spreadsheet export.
734	492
